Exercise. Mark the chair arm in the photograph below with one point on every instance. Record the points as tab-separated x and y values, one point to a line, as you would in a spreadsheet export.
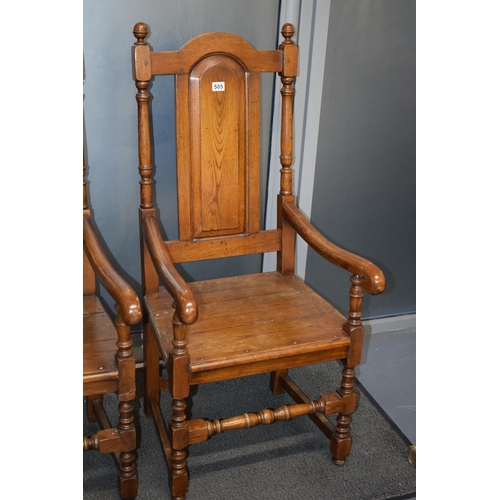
116	286
373	278
187	309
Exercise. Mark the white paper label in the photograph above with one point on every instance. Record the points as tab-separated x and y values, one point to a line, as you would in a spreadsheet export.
218	87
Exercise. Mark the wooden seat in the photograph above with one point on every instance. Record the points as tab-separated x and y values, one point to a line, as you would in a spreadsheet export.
293	321
99	339
108	361
208	331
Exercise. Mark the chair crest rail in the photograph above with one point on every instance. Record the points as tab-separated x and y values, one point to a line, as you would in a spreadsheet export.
182	61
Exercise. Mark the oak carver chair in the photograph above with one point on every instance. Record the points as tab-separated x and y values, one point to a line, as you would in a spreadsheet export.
108	361
225	328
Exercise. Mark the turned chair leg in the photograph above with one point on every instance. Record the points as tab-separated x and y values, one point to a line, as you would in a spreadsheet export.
151	370
127	459
178	375
128	476
274	384
90	407
179	438
340	445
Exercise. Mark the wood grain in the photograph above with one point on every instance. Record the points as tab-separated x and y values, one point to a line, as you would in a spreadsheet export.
108	362
214	330
182	61
218	145
266	316
231	246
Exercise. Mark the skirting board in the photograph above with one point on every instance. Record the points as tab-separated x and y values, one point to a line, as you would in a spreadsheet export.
390	324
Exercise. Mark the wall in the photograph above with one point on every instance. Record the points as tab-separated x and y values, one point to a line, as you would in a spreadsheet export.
364	185
110	114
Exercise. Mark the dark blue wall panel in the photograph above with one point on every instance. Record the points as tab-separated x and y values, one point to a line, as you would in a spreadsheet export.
364	186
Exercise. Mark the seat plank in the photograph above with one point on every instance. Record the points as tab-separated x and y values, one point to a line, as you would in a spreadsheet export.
242	287
98	327
99	342
91	304
265	317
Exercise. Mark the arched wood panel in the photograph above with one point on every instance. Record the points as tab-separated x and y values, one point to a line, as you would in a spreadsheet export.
218	165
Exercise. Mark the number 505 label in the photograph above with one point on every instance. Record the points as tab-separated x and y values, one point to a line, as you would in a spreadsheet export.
218	87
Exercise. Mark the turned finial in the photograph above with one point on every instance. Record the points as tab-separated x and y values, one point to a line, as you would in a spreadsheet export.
140	32
288	31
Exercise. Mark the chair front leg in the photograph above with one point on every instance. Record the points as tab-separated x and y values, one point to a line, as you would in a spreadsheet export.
179	387
127	459
91	416
179	438
151	369
340	444
126	425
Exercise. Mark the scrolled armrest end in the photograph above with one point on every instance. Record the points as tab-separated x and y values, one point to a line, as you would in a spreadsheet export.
188	312
133	314
374	284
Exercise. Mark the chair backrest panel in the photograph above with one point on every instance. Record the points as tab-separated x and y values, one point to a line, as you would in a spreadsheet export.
218	136
217	88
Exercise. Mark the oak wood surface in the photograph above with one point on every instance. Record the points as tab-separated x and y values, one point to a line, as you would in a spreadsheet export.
231	246
183	60
122	292
213	330
99	338
218	137
186	306
108	362
298	396
265	316
373	278
89	282
219	165
97	326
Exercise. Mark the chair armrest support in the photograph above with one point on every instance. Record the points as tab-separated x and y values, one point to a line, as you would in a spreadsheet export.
122	293
186	307
373	278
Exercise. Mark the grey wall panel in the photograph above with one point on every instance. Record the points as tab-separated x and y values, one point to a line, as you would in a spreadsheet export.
364	188
110	113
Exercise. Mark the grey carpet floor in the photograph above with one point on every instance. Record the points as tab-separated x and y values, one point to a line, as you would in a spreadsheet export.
285	460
